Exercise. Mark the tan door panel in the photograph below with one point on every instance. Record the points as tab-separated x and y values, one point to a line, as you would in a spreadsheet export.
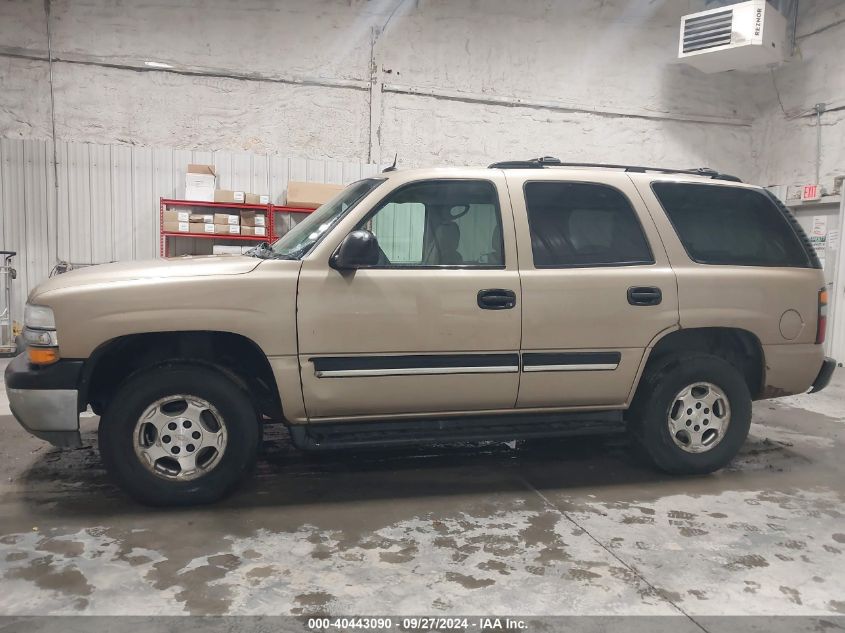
417	313
407	339
586	309
374	311
576	384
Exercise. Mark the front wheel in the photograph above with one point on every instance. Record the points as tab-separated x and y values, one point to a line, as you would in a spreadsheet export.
179	435
692	413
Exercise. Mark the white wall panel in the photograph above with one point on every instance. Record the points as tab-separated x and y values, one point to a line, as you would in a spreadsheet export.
145	225
62	215
278	167
37	192
260	175
14	222
121	203
100	177
106	205
26	189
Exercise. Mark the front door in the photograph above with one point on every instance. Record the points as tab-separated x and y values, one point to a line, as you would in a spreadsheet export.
435	326
597	287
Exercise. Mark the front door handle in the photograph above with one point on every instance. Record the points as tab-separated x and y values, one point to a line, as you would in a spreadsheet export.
644	296
496	299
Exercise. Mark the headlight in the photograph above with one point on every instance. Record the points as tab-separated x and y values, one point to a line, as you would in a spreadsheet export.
41	338
39	332
39	317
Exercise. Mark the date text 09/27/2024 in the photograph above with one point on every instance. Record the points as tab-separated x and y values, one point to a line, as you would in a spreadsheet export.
417	624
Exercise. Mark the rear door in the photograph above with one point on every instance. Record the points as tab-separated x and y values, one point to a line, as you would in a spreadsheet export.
597	287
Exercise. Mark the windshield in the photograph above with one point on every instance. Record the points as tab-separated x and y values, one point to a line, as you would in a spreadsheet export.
296	243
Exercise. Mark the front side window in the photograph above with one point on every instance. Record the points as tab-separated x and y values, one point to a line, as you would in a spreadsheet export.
439	223
296	243
576	224
730	225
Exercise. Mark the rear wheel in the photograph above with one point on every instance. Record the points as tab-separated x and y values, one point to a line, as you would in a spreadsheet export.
179	435
692	413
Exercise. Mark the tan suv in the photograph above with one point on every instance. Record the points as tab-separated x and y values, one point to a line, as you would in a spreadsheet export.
531	298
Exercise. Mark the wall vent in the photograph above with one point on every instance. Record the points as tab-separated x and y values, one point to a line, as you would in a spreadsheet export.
707	31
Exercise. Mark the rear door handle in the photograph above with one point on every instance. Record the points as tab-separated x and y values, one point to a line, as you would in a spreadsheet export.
644	296
496	299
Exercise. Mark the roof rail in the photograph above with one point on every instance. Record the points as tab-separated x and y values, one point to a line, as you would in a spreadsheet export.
551	161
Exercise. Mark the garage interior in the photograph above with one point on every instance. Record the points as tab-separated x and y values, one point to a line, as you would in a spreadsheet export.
107	110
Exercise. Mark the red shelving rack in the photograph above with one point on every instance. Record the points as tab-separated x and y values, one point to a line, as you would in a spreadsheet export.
269	209
167	203
282	224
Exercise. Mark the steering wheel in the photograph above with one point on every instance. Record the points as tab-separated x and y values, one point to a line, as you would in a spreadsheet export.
464	209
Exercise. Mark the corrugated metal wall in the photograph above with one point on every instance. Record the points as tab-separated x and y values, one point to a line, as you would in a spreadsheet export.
106	205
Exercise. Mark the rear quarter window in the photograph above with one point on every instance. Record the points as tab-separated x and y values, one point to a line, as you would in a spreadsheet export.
730	225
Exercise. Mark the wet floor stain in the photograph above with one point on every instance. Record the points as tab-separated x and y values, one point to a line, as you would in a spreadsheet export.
749	561
793	595
312	603
469	582
46	574
583	574
409	560
416	532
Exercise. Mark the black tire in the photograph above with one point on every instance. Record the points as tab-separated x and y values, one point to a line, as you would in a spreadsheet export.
656	395
137	393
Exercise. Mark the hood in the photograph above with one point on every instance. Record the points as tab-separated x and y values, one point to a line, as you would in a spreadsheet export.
192	266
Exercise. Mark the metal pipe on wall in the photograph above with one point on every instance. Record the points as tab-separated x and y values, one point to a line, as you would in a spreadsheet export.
55	210
819	109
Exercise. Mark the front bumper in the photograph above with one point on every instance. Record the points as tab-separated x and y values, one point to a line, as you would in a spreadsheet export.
825	374
44	400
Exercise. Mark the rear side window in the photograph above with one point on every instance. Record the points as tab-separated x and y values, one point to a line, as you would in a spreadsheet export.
730	225
583	224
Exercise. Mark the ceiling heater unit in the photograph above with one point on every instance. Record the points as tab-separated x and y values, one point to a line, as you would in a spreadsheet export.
743	36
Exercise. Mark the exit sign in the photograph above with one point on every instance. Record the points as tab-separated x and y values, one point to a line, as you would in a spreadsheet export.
810	192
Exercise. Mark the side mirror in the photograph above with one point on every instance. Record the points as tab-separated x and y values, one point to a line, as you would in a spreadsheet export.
359	249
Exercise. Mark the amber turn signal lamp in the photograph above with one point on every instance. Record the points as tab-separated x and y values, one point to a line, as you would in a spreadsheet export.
42	355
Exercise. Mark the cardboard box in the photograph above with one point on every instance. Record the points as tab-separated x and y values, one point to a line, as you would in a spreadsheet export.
310	195
224	195
200	183
231	229
192	227
172	215
255	198
251	217
176	226
205	218
258	220
227	218
254	230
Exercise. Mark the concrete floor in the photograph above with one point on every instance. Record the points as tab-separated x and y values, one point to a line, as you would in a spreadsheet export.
564	527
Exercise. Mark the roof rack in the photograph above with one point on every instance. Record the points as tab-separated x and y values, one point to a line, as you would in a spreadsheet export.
551	161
